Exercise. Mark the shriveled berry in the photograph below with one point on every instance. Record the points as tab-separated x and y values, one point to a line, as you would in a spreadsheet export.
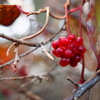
55	44
79	41
64	62
64	42
68	53
59	52
72	37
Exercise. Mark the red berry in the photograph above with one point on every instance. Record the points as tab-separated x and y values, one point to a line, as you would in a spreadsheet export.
77	58
64	42
72	45
54	53
79	41
72	37
81	50
73	62
64	62
55	44
68	53
59	52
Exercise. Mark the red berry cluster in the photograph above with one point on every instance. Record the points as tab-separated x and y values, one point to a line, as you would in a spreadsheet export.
69	49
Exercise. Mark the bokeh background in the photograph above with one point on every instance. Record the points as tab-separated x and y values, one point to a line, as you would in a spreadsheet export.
36	63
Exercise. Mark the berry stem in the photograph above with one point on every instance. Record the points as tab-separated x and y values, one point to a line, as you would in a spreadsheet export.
82	73
75	9
22	11
80	20
98	57
66	7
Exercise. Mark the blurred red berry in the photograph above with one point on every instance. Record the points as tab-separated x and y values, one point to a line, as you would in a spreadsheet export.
64	62
55	44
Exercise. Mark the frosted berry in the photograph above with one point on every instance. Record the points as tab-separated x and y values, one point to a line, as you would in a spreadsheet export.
64	62
55	44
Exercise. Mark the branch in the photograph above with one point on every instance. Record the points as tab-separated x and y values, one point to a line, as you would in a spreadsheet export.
43	28
30	51
84	87
18	40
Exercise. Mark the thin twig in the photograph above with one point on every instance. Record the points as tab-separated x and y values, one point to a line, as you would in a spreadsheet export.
16	57
66	7
27	84
75	83
18	41
43	28
46	52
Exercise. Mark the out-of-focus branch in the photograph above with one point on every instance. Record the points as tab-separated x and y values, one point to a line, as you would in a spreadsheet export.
82	88
30	51
47	9
18	40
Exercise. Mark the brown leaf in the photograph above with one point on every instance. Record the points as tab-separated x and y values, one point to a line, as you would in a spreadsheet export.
93	26
8	14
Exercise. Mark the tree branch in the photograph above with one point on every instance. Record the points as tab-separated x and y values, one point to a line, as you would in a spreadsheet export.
30	51
84	87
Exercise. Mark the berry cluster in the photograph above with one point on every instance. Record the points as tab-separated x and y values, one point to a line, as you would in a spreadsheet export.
69	49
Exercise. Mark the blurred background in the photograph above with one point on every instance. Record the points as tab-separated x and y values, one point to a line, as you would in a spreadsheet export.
36	63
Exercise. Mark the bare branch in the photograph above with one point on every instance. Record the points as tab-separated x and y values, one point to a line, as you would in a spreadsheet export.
46	52
39	32
18	41
84	87
30	51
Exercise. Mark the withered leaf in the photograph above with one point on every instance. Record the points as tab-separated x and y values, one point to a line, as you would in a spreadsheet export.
8	14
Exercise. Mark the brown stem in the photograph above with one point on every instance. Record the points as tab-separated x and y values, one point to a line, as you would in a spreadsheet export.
43	28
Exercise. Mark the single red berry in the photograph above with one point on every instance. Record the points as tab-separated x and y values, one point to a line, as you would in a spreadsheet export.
54	53
64	42
64	62
78	58
79	41
73	62
72	45
81	50
68	53
59	52
72	37
55	44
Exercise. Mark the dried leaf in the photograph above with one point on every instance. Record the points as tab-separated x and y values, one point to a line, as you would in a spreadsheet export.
93	26
8	14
